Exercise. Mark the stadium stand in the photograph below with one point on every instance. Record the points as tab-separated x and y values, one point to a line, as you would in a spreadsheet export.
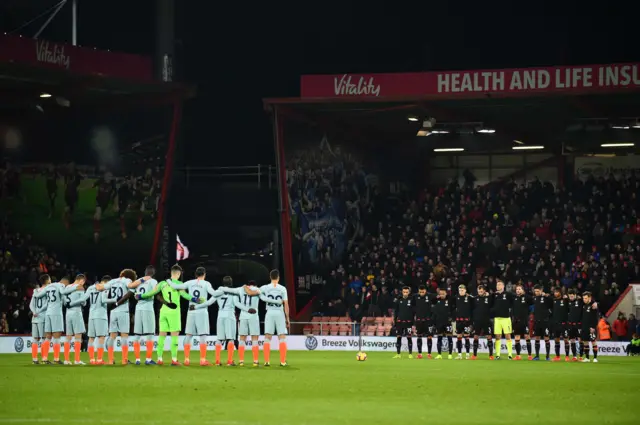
584	236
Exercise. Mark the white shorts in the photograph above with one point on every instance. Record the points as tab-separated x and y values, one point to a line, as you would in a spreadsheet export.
75	324
226	328
97	328
53	324
275	323
120	322
37	330
197	323
144	323
249	327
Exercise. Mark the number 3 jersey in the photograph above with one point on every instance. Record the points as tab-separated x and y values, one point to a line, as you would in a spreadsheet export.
277	292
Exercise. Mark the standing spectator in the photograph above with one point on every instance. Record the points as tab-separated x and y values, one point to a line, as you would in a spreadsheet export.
620	327
356	314
604	330
372	297
632	324
4	324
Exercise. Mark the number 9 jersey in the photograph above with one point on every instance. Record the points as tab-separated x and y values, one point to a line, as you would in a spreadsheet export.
274	320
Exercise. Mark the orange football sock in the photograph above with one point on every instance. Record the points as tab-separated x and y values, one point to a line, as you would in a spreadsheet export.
218	351
203	352
76	351
92	352
110	354
187	352
256	352
136	349
45	349
67	350
56	351
230	349
149	349
125	353
283	352
34	350
266	349
241	352
100	354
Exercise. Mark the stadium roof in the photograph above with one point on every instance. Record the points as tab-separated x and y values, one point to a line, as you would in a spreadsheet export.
30	67
580	105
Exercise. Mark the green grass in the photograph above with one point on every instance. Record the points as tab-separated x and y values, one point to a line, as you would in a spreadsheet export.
30	215
324	388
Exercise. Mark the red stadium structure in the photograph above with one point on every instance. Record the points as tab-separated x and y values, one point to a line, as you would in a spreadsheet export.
34	71
565	114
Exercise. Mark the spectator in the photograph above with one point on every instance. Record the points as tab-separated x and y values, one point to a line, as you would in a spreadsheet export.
604	330
620	327
4	324
632	324
356	314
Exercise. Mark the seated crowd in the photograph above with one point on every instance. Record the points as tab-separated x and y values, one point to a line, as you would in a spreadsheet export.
585	236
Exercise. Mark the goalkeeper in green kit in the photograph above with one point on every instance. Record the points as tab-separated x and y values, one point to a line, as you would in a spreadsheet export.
170	317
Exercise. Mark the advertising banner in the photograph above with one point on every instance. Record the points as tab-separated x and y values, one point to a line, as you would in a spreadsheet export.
565	79
78	60
594	166
22	344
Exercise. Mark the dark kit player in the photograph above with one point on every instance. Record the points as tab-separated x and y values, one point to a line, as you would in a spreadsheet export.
124	195
463	309
72	180
575	323
51	179
482	321
144	190
559	318
589	326
106	192
403	321
424	321
541	312
442	320
521	304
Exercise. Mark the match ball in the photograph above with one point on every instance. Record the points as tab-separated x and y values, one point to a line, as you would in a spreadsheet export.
361	356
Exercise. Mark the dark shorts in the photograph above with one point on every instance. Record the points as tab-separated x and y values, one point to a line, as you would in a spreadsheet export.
443	328
574	330
52	191
404	328
586	335
71	199
424	327
482	327
541	329
102	204
463	327
520	327
560	330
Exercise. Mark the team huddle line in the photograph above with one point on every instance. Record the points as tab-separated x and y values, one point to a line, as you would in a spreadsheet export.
48	324
568	319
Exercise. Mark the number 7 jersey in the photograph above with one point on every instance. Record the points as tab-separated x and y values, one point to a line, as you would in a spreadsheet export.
277	292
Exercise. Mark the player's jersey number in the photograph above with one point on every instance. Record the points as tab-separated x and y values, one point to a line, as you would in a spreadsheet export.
94	297
246	300
224	302
196	293
277	297
51	296
39	302
116	293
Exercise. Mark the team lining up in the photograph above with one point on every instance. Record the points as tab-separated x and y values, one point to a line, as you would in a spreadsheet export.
48	323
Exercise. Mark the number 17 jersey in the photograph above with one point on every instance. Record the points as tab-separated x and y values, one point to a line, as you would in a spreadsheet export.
277	292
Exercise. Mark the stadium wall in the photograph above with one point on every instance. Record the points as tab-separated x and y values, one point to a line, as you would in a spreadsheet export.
22	344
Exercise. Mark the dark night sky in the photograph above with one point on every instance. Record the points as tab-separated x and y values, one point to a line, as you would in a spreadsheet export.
240	52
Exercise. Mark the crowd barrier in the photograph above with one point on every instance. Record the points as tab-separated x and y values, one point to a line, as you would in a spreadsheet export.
22	344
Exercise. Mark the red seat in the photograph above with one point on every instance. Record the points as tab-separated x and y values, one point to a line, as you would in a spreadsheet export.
380	331
316	319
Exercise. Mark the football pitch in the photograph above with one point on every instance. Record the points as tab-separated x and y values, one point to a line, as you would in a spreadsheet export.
323	388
